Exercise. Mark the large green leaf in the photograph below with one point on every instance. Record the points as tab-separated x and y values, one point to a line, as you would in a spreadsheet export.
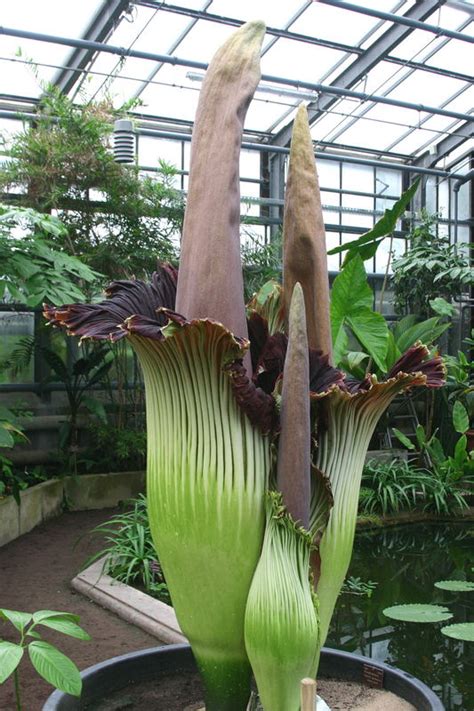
463	631
55	667
351	305
403	438
460	417
6	440
383	227
370	328
403	325
393	351
442	307
10	657
41	615
18	619
455	585
66	626
427	332
418	613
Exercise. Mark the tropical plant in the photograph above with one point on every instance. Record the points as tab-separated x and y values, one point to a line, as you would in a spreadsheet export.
388	487
32	269
51	664
452	475
117	221
431	268
221	414
86	371
129	555
260	262
112	448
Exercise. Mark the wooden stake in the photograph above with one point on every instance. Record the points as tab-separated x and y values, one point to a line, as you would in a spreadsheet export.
308	695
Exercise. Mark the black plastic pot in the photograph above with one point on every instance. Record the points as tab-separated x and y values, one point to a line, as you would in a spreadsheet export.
114	674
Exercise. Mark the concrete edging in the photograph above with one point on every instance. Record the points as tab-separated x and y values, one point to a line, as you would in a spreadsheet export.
76	493
133	606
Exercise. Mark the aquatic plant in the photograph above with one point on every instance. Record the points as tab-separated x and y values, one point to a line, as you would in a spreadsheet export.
256	443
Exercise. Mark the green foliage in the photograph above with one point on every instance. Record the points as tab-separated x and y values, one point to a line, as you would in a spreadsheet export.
455	585
117	221
88	370
442	307
463	631
418	613
351	308
260	262
113	448
51	664
409	330
430	269
460	373
357	586
388	487
33	270
436	613
131	556
460	417
366	246
451	474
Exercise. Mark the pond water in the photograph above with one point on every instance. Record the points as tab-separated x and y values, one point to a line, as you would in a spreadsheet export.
405	562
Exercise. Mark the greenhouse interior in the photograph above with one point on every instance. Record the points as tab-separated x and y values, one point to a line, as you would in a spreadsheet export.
236	337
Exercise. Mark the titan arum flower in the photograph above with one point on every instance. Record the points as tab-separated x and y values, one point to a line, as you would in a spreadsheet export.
252	551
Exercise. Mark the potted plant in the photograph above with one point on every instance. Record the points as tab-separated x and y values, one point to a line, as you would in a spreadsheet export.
256	443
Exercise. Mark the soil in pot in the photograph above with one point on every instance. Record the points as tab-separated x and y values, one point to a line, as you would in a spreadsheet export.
184	693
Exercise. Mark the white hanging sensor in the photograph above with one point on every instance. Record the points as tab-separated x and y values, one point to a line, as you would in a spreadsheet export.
124	141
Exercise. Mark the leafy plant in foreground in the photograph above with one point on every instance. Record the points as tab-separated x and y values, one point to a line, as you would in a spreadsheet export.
254	554
54	666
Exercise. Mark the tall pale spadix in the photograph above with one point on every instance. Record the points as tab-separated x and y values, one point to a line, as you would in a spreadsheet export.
294	447
210	280
304	241
207	466
281	625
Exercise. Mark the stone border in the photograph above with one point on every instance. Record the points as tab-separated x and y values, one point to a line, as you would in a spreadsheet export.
76	493
133	606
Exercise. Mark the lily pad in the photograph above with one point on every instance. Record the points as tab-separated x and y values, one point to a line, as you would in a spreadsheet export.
463	631
455	585
418	613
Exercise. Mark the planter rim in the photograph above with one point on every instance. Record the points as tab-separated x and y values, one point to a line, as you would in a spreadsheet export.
399	680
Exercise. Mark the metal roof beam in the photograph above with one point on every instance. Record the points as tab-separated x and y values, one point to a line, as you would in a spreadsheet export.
269	148
363	64
406	20
287	34
179	61
98	30
446	146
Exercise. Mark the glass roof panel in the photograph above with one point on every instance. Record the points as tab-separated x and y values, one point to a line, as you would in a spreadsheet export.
50	17
450	18
424	88
452	56
274	14
325	21
151	31
370	134
171	94
203	40
307	62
